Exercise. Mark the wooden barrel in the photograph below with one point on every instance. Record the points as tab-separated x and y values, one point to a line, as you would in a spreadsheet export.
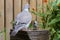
31	35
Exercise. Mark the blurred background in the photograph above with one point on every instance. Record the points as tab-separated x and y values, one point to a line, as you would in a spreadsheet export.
10	8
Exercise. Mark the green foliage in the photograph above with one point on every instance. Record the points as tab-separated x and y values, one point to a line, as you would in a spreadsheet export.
3	33
50	19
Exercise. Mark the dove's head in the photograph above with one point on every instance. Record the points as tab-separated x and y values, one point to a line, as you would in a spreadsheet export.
26	6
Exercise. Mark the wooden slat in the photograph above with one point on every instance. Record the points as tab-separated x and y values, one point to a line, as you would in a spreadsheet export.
9	17
39	3
17	7
1	15
39	7
45	5
1	18
33	5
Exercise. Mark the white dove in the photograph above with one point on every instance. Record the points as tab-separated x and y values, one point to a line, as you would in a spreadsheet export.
22	20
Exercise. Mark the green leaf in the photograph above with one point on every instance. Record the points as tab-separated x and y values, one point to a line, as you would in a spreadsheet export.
58	2
58	31
41	25
58	15
30	26
53	21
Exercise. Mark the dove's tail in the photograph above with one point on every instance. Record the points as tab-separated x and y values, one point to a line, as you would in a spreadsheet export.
14	33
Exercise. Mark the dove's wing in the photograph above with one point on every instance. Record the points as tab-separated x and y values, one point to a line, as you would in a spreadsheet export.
23	18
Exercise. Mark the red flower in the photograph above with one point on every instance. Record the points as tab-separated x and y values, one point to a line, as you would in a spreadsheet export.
45	1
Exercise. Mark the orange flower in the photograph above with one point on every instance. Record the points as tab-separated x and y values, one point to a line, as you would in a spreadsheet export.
45	1
58	4
34	9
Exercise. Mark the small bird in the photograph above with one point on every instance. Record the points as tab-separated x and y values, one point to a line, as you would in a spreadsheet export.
35	24
22	20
